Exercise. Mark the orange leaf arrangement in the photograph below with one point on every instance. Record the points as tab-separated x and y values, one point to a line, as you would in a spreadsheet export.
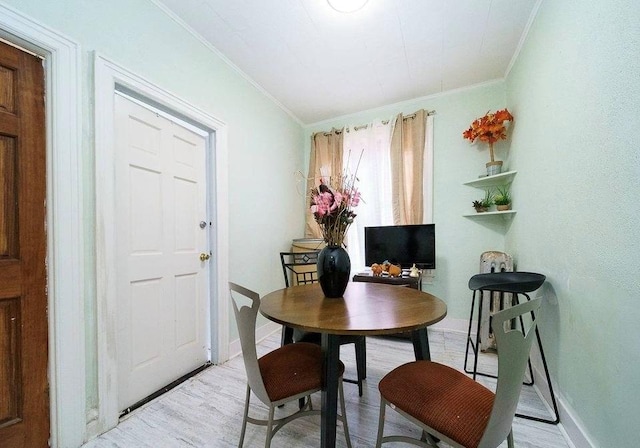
489	128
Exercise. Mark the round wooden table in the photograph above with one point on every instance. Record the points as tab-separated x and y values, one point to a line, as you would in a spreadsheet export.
366	309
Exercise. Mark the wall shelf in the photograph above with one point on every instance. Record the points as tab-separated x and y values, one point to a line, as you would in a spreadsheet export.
505	213
486	183
491	181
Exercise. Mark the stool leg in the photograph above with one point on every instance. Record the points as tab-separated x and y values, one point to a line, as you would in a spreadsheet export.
516	301
556	420
466	352
475	361
527	383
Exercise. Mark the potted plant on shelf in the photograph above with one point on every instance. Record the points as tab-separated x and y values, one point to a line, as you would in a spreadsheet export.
483	204
502	199
490	129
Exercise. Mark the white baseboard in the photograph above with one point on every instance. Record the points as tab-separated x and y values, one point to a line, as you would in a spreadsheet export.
262	333
451	324
570	424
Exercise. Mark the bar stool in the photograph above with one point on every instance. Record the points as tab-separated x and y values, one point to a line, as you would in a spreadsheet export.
515	283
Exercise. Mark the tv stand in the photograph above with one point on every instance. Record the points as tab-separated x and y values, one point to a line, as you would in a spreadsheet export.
412	282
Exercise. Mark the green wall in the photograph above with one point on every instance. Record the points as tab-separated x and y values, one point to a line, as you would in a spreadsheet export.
575	95
574	92
264	142
459	240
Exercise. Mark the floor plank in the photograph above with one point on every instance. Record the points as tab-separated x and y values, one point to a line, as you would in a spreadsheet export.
206	411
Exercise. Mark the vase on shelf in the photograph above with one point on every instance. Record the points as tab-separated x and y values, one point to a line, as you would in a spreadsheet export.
334	270
494	168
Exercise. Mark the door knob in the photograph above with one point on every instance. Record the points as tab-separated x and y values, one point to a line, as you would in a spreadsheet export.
204	257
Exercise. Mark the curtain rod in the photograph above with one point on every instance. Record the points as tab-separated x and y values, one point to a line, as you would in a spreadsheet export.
365	126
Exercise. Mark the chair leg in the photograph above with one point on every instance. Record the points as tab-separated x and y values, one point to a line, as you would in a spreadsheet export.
287	335
287	338
343	410
477	351
428	438
246	415
383	405
267	443
510	443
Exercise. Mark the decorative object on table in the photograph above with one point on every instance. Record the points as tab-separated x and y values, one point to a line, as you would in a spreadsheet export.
376	270
483	204
502	199
490	129
332	204
414	271
394	270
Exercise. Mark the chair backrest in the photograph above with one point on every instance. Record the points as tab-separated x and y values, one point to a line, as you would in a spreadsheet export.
514	345
246	321
299	268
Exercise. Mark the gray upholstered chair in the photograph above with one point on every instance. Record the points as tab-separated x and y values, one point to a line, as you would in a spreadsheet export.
447	404
287	373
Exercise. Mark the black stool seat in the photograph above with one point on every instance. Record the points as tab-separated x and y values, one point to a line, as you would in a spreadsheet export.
514	282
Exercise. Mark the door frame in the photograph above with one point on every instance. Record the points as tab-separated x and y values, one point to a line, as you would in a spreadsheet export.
110	77
65	227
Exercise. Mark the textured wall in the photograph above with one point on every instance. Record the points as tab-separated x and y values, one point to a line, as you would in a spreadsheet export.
575	93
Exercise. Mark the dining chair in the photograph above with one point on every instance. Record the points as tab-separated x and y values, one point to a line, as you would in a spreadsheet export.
300	268
288	373
447	404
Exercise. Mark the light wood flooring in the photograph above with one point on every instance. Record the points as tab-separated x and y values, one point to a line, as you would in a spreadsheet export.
206	410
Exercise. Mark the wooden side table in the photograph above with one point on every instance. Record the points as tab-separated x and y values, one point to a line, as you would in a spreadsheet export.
412	282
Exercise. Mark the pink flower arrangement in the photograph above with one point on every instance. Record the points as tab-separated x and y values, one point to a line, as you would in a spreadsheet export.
332	208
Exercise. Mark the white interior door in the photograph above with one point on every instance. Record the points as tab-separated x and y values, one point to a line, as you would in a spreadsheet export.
162	308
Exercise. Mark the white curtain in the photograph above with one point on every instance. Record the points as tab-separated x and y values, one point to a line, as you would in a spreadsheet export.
374	174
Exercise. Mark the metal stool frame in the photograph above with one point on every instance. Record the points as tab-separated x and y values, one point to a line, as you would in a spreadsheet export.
515	283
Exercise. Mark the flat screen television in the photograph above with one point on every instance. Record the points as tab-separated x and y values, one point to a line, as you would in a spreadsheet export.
403	245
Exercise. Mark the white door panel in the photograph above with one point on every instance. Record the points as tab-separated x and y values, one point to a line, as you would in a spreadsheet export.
163	285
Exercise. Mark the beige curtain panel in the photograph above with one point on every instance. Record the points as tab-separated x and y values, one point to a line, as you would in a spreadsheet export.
407	157
325	161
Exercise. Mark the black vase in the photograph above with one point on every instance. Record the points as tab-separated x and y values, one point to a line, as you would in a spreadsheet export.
334	270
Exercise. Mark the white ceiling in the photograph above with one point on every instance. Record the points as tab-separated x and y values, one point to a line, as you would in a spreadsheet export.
320	64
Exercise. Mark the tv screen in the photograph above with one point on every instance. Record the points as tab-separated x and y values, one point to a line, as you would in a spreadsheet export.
403	245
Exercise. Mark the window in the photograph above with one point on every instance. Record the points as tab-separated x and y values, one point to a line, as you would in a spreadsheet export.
394	163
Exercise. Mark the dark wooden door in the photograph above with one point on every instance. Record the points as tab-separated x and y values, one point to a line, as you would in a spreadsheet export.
24	395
